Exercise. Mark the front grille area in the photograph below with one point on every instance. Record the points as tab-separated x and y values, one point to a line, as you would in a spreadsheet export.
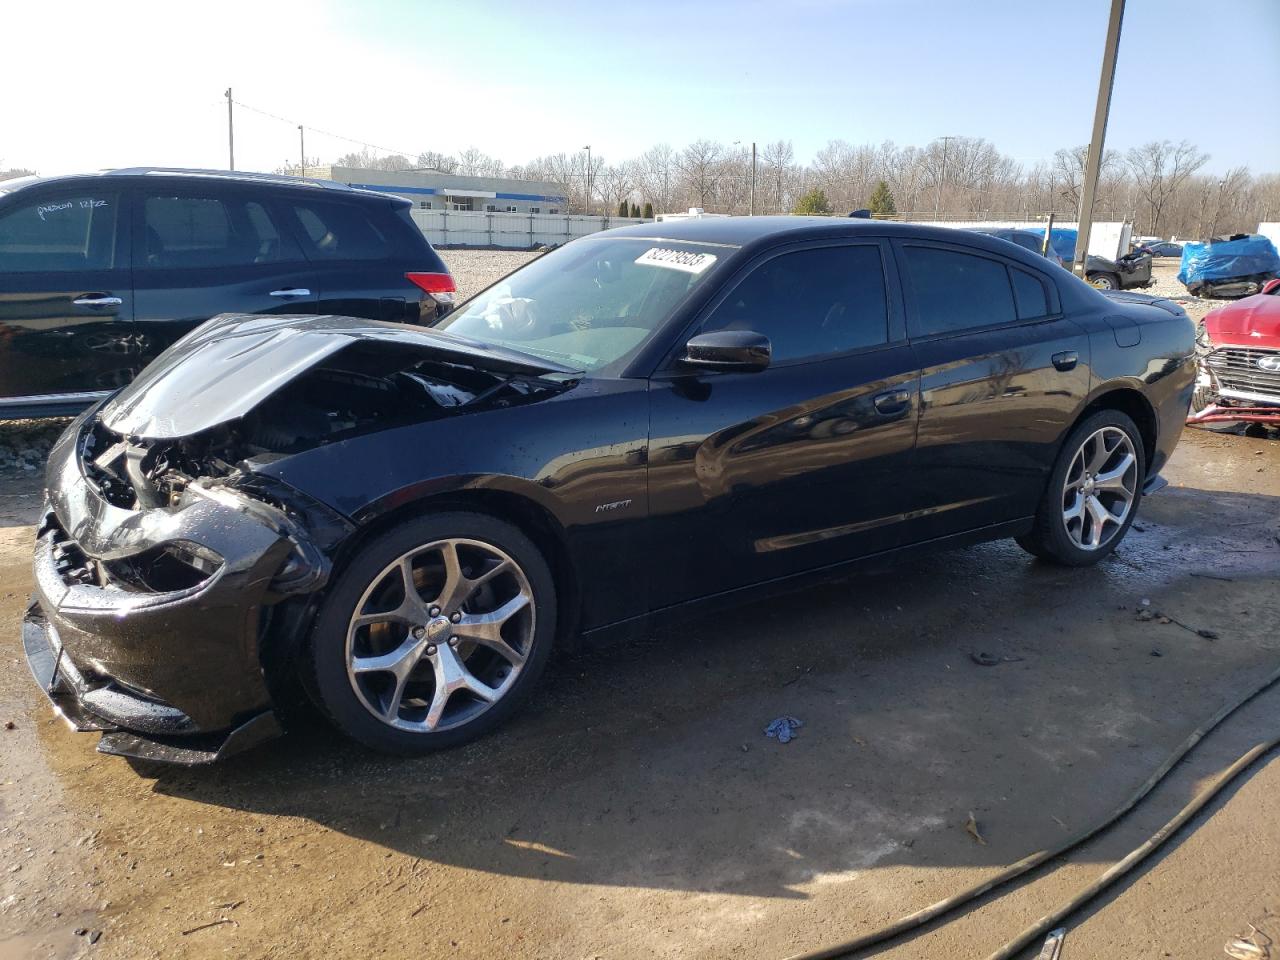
1237	369
73	566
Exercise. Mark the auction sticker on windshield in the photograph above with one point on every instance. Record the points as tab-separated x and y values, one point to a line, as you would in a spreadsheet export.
676	259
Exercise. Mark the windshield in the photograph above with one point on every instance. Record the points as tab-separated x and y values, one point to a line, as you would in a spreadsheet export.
591	304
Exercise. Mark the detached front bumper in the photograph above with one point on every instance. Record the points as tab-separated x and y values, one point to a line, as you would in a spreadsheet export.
163	657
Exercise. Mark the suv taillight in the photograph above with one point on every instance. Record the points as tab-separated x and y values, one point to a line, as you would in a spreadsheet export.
439	285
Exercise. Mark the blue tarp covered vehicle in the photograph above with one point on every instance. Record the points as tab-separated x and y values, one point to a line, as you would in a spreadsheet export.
1236	267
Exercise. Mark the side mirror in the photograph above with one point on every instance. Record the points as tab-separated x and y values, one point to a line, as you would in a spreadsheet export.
741	350
1272	287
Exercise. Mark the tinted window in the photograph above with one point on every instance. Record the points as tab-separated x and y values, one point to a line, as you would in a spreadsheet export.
811	303
1028	242
1028	293
340	231
194	231
957	291
75	232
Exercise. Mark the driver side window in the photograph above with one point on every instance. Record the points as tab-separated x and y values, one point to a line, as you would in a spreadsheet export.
811	303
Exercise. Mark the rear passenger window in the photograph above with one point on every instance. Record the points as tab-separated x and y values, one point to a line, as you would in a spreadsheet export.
340	231
194	231
811	303
1028	293
957	291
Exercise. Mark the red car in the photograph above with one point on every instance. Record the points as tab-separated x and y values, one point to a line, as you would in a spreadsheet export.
1238	346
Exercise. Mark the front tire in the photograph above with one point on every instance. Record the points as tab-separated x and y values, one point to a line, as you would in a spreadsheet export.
1093	492
435	633
1104	281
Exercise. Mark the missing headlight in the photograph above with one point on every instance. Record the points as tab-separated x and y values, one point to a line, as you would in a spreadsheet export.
179	565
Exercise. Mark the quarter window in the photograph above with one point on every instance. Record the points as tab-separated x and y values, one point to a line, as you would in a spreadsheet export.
59	234
957	291
811	303
1029	295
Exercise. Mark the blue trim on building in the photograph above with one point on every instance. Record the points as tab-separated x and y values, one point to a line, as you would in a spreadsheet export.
442	191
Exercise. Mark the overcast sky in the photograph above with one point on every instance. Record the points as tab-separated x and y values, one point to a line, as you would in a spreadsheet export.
94	84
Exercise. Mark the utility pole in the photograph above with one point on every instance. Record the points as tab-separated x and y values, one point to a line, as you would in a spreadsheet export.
751	208
231	135
1093	159
588	149
937	200
302	152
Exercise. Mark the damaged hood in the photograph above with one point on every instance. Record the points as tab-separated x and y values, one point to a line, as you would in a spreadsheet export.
227	366
1251	322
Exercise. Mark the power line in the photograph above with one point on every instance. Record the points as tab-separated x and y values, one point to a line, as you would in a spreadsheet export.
327	133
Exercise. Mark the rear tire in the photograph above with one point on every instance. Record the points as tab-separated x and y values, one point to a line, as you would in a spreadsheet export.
435	633
1093	492
1104	281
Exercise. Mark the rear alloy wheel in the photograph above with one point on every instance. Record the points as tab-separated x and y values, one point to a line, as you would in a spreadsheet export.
1104	281
445	626
1093	492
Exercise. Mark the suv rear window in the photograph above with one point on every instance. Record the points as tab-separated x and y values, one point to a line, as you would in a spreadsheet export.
340	231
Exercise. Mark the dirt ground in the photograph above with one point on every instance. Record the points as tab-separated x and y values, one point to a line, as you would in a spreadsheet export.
636	810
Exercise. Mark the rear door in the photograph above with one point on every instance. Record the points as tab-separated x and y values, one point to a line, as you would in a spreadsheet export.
66	298
754	476
1002	372
203	249
360	256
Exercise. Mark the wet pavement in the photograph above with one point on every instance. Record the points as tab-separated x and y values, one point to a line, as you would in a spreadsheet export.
637	810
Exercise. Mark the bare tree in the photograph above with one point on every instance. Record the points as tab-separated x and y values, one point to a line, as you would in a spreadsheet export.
778	158
615	184
701	170
658	173
1159	169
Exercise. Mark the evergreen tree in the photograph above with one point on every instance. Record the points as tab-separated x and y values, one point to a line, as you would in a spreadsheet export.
622	208
648	210
813	202
635	211
882	200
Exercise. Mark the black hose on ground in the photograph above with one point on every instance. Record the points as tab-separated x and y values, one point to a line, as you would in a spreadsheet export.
927	914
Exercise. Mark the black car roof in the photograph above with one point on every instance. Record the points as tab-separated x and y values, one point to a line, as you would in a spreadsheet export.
753	231
180	173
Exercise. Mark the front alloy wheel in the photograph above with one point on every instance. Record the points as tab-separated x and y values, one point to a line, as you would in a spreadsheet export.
434	632
440	635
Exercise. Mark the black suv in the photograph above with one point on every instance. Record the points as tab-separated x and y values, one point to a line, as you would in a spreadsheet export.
99	273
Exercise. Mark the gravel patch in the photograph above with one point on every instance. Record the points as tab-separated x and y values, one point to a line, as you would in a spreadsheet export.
473	270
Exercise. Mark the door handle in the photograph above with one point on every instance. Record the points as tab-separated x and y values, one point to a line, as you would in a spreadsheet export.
1066	360
291	292
93	300
892	401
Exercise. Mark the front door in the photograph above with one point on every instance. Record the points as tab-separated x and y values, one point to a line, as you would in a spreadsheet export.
755	476
66	297
204	250
1002	374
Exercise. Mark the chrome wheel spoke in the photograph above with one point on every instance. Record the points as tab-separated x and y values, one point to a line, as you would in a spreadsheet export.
1076	510
399	663
453	676
1112	481
486	628
1100	453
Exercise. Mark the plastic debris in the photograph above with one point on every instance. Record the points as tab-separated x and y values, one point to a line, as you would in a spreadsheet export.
1248	947
971	826
783	729
1052	948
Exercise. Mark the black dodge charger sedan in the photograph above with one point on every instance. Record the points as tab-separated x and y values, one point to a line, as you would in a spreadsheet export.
647	419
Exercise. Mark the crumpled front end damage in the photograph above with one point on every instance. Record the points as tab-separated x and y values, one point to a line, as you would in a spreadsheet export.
147	624
171	577
1238	364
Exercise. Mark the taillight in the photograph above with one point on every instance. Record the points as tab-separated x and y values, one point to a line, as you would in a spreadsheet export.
439	285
